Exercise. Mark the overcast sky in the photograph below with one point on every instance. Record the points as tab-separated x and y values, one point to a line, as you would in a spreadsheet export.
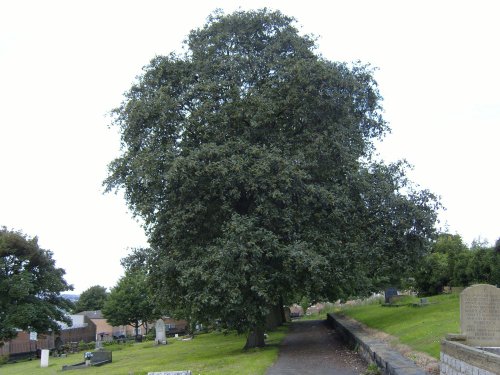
65	64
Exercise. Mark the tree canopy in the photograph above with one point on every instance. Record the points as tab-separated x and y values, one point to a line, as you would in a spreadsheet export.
30	287
91	299
249	159
452	263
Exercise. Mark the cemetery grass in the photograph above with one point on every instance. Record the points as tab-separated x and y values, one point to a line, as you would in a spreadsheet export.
420	328
209	353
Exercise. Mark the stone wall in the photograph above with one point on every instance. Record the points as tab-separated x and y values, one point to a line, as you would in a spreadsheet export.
389	361
460	359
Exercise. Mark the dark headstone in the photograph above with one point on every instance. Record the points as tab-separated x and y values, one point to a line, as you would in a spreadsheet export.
389	293
101	357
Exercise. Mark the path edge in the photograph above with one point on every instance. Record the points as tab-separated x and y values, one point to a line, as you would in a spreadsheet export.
389	361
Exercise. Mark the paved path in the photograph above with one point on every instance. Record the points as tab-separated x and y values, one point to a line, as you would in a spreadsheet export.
311	347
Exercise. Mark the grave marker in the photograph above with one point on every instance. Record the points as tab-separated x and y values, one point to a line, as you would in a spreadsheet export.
480	315
160	332
44	361
389	293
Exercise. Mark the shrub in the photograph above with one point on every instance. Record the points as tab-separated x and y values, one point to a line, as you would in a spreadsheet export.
4	359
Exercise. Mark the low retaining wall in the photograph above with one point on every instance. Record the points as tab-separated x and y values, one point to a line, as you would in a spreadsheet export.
461	359
389	361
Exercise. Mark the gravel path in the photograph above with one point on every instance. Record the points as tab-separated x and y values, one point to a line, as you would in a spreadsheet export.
311	347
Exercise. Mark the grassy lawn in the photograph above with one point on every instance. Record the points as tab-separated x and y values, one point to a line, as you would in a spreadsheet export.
211	353
421	328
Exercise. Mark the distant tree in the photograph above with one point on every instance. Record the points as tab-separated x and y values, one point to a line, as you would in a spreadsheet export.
249	160
91	299
129	302
497	245
432	274
30	287
479	243
447	243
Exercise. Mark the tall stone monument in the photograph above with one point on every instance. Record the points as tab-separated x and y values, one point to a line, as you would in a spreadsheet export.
480	315
160	332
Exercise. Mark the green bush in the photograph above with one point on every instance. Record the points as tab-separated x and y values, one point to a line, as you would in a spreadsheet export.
4	359
85	346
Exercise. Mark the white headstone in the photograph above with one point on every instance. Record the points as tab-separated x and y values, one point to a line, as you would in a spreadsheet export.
480	315
160	332
33	336
44	361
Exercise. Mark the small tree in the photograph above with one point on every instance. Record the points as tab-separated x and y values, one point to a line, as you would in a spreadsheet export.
129	302
30	287
93	298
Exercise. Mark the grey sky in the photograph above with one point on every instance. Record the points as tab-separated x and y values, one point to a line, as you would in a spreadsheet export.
65	64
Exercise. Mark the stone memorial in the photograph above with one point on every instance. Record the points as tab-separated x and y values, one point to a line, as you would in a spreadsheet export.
44	360
100	357
389	294
480	315
97	358
160	332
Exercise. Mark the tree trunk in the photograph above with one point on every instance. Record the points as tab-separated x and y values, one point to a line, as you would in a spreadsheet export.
136	328
274	318
255	338
282	311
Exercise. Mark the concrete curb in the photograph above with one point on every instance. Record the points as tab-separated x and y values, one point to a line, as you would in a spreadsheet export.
389	361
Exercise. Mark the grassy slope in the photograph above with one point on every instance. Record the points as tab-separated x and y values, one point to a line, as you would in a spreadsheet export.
213	353
421	328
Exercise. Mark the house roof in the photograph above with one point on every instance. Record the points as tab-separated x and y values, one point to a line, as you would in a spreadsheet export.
97	314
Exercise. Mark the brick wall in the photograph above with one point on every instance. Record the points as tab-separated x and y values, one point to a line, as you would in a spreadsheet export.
454	366
460	359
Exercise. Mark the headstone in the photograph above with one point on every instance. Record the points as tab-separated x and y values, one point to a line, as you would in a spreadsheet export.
44	361
100	357
480	315
160	332
389	293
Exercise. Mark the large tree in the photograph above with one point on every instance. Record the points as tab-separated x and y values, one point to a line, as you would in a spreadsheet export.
30	287
91	299
249	159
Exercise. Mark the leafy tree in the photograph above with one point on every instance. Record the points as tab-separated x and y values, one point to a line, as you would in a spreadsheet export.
479	243
30	287
137	260
129	303
433	274
249	160
91	299
447	243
